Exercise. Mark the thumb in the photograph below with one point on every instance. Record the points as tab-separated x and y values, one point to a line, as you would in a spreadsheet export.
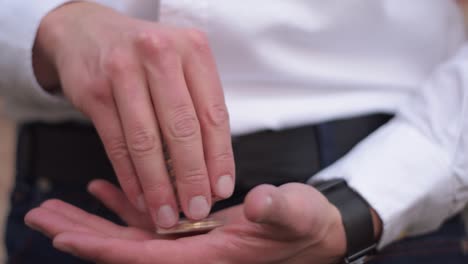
291	211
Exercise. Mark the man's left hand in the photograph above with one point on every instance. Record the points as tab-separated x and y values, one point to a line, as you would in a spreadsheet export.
293	223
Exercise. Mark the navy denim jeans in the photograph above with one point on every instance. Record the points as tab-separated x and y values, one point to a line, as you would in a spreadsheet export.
25	245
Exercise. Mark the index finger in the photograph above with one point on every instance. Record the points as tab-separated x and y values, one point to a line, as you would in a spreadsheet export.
179	124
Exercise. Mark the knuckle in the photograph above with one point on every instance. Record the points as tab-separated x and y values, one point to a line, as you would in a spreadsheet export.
197	40
216	115
142	141
156	193
92	91
155	189
117	149
153	43
192	176
183	124
102	94
223	156
117	62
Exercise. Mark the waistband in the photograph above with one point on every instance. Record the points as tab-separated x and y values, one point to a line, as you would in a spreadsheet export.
72	154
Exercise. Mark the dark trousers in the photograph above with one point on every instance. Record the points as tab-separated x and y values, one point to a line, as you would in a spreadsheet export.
292	155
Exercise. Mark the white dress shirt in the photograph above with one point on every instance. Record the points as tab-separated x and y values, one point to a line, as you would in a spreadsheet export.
295	62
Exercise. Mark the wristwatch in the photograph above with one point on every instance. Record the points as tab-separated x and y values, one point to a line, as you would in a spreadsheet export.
356	216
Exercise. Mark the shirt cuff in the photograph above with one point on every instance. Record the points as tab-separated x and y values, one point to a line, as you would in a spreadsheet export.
406	178
20	22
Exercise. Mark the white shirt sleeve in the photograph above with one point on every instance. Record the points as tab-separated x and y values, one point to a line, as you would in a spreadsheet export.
19	22
414	170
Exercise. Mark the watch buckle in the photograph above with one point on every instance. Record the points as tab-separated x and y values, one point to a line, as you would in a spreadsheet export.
361	256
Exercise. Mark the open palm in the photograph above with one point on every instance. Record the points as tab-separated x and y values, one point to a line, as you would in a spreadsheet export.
292	223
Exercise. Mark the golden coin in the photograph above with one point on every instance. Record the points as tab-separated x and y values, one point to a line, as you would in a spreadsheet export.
190	226
184	226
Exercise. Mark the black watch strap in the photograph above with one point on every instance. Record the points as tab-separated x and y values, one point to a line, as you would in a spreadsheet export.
356	216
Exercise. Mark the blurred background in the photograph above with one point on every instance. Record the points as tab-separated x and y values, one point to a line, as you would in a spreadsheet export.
7	142
6	170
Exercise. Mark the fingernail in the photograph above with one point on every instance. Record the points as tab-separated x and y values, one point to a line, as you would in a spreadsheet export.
33	227
265	210
91	188
225	186
166	217
198	207
141	204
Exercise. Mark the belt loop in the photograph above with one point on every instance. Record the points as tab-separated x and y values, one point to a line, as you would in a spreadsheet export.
326	144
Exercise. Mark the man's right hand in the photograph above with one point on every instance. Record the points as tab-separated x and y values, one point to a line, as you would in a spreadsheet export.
143	83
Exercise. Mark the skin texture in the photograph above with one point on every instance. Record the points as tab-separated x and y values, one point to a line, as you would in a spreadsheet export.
142	84
292	223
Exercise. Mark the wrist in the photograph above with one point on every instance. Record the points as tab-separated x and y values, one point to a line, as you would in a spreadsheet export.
49	38
44	45
361	224
335	240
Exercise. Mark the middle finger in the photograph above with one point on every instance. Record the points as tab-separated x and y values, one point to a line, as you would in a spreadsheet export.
143	138
179	124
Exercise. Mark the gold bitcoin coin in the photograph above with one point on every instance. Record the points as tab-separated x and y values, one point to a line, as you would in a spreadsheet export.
186	226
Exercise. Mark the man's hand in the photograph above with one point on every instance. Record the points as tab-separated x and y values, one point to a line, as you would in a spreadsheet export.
142	84
293	223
